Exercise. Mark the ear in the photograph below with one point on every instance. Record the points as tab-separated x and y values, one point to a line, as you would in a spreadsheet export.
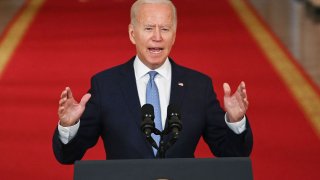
131	34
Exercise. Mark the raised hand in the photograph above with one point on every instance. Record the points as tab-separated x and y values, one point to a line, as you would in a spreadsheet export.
70	110
236	104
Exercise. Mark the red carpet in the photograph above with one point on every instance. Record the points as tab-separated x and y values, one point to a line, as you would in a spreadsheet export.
69	41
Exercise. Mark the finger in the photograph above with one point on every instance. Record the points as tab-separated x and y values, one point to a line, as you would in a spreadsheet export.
62	101
60	110
63	94
85	99
246	102
241	102
226	89
69	93
242	90
243	93
241	86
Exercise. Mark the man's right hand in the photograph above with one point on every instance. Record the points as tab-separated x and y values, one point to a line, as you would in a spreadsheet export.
70	110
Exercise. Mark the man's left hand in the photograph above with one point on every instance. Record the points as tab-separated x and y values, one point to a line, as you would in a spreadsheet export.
236	104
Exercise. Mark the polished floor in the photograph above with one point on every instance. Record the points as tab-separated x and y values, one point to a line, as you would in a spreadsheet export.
297	29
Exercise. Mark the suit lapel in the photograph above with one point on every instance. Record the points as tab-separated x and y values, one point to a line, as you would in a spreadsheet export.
131	97
130	92
178	85
178	88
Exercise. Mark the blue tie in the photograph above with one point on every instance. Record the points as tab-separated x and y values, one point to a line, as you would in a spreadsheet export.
152	97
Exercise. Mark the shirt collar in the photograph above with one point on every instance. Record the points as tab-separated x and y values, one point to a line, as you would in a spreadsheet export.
140	69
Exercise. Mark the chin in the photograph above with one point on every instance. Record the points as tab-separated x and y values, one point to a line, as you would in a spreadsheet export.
157	62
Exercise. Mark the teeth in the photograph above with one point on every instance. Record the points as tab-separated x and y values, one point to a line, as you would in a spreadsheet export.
155	50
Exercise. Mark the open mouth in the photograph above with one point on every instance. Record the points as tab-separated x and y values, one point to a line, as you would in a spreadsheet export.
155	50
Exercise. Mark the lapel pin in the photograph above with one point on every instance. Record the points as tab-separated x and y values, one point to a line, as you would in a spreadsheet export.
180	84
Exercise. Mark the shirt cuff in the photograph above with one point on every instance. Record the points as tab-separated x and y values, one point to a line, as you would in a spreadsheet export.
66	134
237	127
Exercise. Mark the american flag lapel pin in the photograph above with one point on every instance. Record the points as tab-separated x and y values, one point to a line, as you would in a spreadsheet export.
180	84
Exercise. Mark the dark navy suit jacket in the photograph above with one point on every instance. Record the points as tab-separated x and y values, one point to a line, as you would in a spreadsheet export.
114	114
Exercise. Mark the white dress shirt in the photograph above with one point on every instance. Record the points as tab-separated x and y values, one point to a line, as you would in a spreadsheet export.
163	81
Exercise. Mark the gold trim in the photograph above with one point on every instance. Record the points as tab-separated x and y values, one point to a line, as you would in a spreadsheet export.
302	91
16	32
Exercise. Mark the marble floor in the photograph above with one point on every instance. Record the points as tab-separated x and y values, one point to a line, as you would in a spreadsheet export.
295	26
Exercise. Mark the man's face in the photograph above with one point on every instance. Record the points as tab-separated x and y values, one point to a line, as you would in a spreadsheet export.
153	34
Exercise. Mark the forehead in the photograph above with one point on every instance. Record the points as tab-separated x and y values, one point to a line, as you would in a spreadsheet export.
155	14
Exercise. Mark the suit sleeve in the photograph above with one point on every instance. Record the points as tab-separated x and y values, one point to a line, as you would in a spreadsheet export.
222	141
88	133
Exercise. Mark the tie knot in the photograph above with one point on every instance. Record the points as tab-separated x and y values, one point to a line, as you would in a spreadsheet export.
152	74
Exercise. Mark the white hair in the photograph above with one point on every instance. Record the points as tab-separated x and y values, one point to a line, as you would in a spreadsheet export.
136	6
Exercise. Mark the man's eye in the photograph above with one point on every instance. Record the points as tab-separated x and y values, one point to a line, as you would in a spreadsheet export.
148	29
165	29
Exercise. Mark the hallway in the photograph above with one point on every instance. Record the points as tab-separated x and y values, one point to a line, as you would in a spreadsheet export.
297	28
69	41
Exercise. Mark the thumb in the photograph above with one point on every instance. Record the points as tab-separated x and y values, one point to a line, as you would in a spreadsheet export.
226	89
85	99
69	93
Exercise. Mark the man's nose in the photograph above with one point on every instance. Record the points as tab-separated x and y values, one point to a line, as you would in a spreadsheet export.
157	36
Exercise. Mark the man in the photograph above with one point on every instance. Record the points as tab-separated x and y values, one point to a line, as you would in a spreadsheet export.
112	108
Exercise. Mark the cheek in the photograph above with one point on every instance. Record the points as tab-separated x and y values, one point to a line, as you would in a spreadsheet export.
173	39
141	41
170	40
170	43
